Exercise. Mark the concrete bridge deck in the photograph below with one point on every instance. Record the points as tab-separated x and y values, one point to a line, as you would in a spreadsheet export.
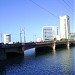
21	47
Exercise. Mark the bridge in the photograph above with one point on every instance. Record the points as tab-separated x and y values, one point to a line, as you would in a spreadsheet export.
39	46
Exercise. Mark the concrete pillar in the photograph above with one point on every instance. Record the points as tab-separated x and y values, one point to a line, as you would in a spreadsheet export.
53	45
68	43
2	54
21	50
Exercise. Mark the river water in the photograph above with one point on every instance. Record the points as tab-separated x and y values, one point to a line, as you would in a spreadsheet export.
56	62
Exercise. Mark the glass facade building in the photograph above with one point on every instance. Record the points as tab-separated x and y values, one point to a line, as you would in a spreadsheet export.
49	33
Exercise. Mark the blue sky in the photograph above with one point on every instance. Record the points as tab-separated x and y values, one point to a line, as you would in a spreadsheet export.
16	14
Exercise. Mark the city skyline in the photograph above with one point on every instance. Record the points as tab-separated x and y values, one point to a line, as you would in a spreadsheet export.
16	14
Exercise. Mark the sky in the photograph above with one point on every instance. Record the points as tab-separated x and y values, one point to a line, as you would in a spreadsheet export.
32	15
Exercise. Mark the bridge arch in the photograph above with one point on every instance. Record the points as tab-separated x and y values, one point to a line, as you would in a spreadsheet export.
43	49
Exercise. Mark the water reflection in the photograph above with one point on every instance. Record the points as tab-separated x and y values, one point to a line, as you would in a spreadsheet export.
11	63
68	47
54	52
55	62
2	67
18	59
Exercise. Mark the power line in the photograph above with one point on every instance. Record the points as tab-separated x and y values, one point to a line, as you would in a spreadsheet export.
44	9
69	2
65	7
72	5
68	5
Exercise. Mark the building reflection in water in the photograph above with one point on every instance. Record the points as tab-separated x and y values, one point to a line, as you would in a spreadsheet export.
54	52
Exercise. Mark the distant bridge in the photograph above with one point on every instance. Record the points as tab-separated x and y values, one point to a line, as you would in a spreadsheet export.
39	46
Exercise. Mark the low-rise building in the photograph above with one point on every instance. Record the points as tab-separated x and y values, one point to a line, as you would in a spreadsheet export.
58	37
72	36
7	38
49	33
39	39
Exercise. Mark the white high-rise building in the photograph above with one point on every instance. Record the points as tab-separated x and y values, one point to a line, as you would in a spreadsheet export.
49	33
64	27
7	38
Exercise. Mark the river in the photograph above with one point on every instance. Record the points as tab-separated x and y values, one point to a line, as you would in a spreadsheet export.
56	62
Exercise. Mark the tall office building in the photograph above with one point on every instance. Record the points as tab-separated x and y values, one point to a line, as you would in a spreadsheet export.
7	38
64	27
49	33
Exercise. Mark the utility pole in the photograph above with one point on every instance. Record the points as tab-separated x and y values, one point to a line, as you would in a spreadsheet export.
20	35
34	37
24	35
22	31
1	37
